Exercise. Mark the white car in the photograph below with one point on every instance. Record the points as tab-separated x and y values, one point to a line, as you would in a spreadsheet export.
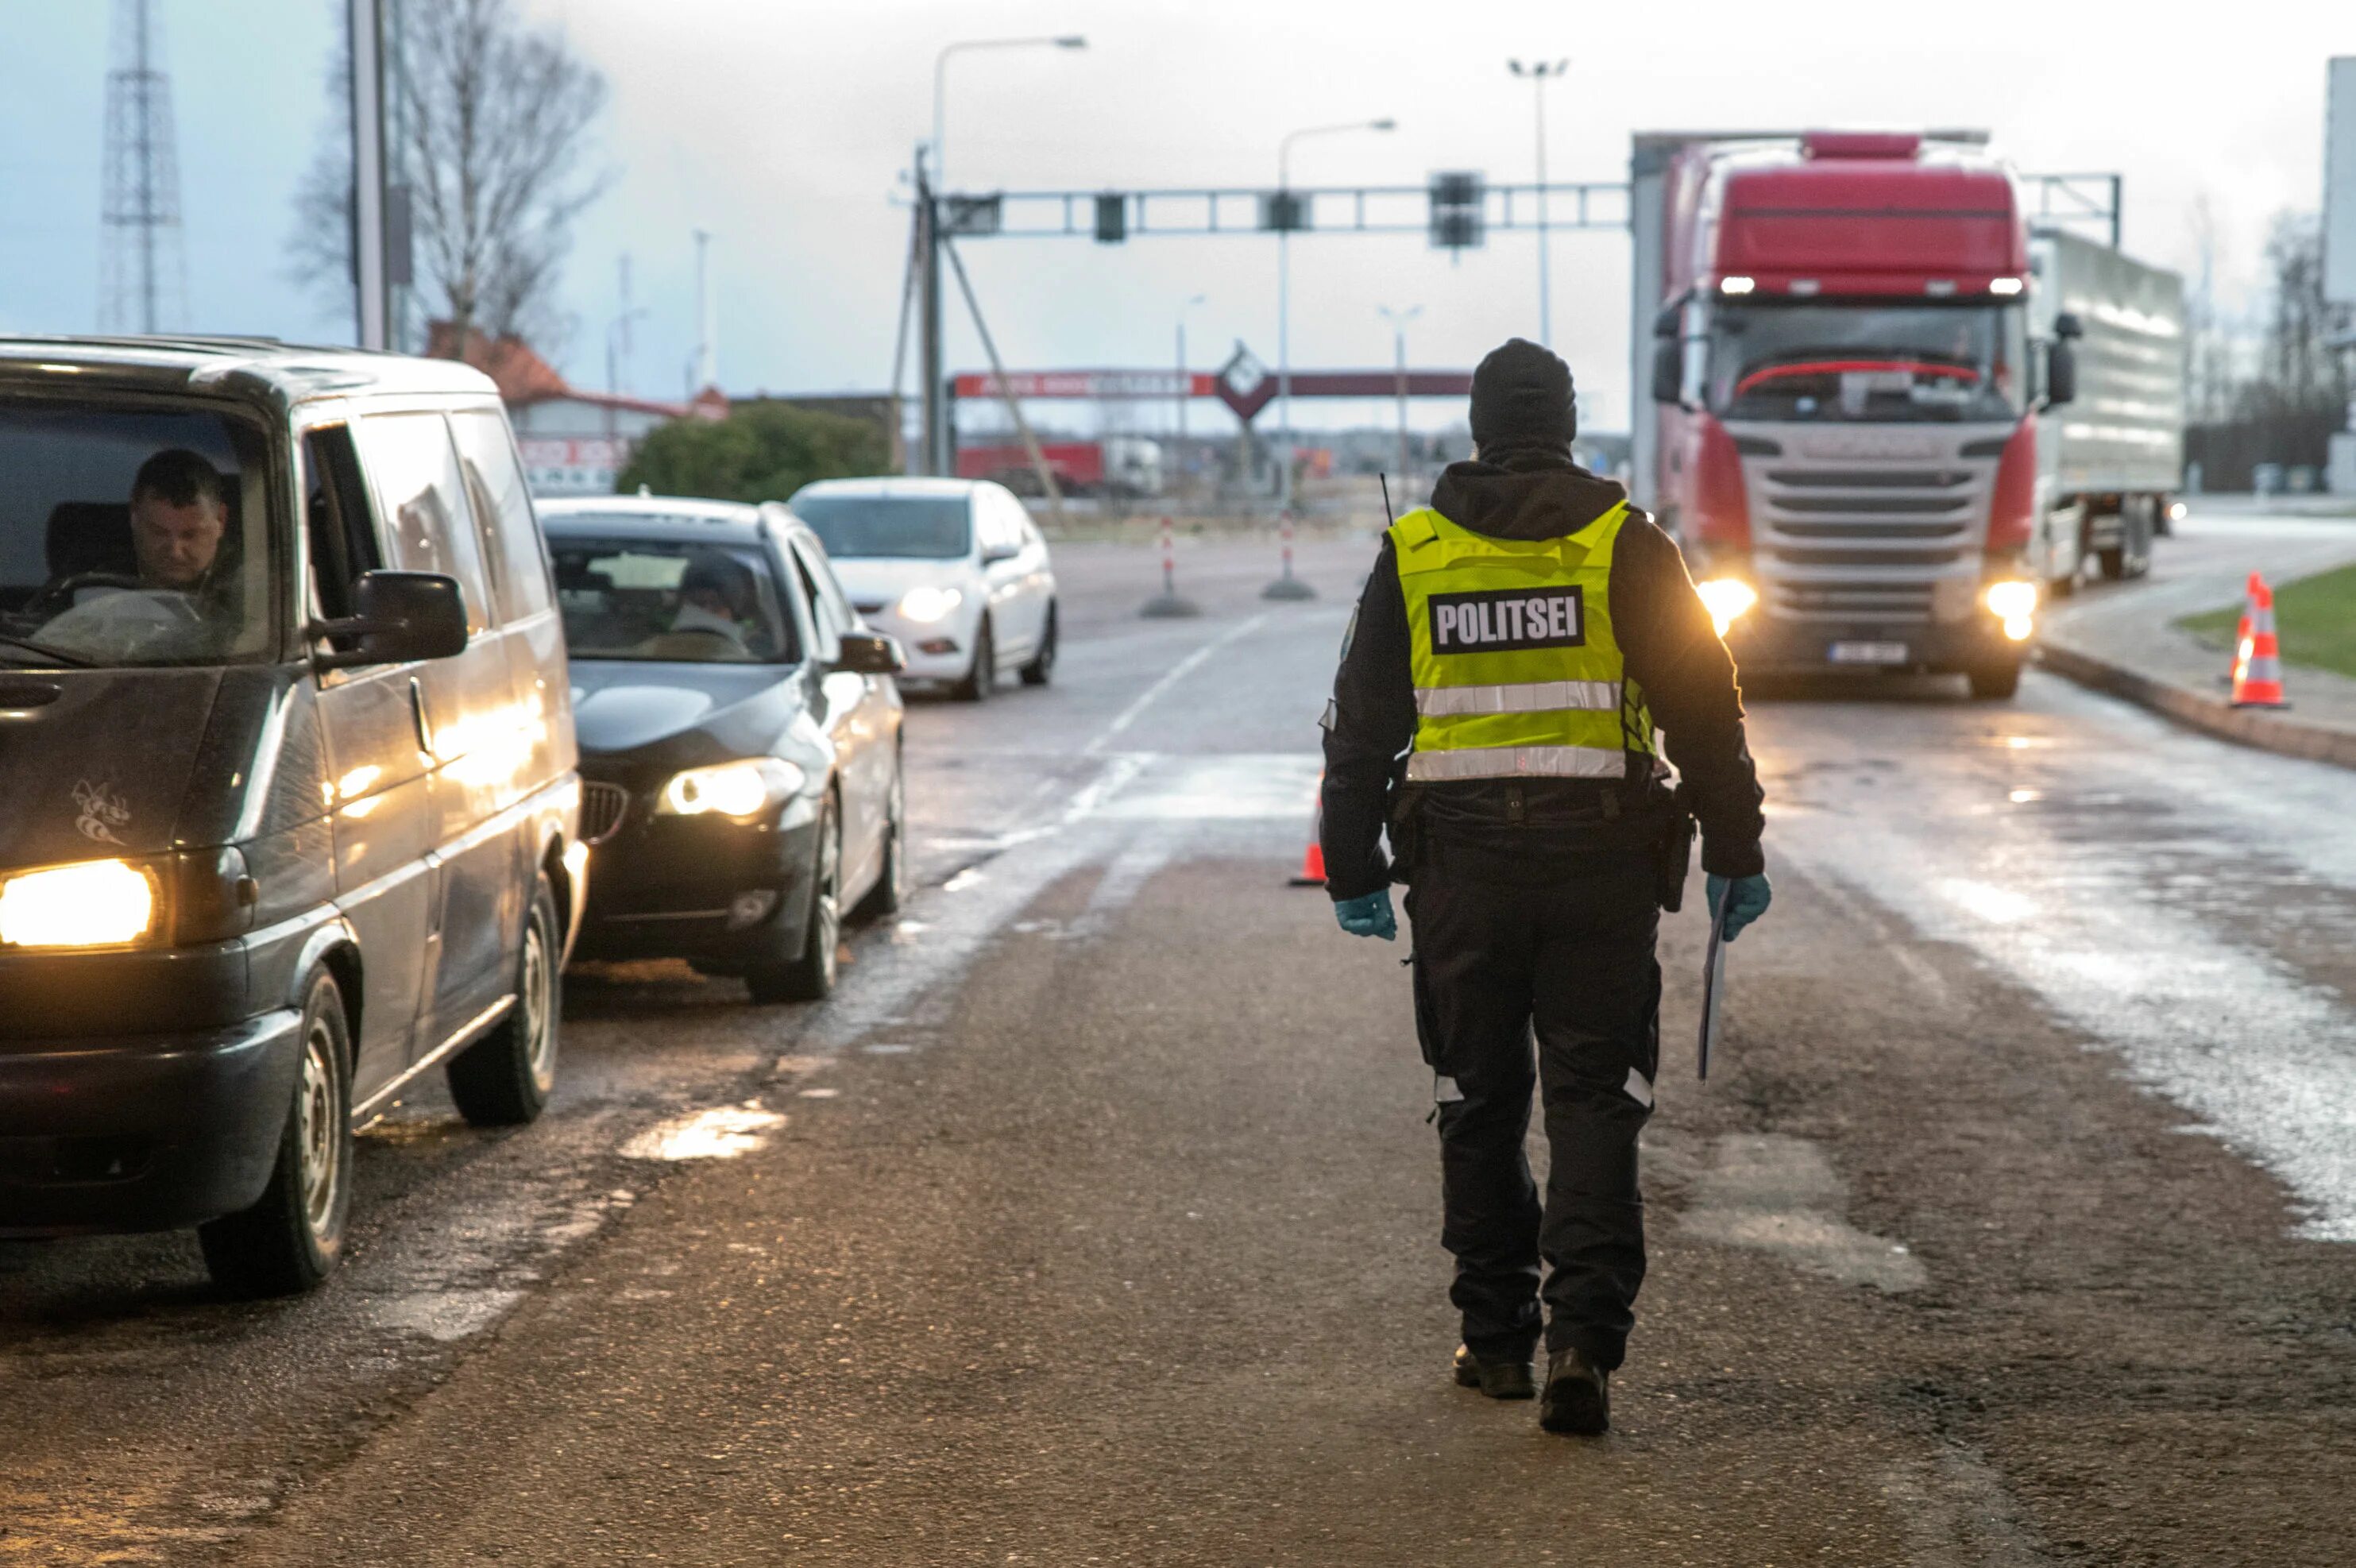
954	568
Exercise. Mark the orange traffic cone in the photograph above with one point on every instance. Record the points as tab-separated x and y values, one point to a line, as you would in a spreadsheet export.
1313	862
2257	657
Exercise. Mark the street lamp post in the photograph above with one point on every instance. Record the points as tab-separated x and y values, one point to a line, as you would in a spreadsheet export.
1539	74
1399	320
1284	286
1184	389
940	83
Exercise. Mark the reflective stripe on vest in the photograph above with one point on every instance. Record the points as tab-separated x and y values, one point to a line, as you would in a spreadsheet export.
1517	672
1518	762
1532	697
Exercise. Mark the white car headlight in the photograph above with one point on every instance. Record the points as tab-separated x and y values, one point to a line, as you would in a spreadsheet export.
1728	599
742	789
928	604
95	904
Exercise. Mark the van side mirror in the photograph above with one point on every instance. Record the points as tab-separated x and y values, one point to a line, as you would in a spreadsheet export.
403	616
991	554
1669	371
870	653
2061	373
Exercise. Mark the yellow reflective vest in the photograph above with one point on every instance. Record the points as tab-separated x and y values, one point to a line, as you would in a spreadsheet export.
1516	672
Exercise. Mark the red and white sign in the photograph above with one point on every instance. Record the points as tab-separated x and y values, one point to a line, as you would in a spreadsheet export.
1088	384
574	465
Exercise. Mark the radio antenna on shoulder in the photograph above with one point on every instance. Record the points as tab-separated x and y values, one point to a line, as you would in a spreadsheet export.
1385	479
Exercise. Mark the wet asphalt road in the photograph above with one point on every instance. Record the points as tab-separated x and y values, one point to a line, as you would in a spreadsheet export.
1095	1218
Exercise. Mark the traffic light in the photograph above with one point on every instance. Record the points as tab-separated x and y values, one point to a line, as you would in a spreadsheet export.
1112	218
1459	211
965	215
1284	212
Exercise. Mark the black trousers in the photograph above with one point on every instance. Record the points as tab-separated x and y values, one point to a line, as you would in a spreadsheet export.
1568	962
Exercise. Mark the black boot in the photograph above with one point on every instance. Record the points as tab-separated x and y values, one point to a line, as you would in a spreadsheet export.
1498	1380
1577	1400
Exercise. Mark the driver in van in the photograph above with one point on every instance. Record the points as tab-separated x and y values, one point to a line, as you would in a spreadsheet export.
178	514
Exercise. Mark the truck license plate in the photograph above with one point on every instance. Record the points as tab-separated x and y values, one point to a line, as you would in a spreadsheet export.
1867	653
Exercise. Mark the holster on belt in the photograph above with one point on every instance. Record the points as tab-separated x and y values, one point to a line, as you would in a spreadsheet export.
1673	853
1405	827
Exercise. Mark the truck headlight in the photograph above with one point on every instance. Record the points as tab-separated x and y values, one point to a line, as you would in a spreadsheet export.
927	605
741	790
1728	599
2013	602
93	904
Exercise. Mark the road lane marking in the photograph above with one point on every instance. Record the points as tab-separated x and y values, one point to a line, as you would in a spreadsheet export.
1176	673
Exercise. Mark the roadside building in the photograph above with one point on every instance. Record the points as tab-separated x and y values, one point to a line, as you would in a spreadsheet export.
574	442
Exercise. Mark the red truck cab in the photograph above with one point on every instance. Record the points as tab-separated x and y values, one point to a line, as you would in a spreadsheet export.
1844	395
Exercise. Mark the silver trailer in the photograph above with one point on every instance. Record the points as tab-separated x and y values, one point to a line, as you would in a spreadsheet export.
2108	463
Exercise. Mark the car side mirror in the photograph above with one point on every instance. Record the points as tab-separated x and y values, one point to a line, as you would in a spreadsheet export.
2061	372
991	554
870	653
1669	371
402	615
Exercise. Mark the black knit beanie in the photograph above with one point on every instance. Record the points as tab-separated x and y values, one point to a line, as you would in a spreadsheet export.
1522	399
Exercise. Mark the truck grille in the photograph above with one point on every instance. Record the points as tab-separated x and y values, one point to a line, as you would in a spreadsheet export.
602	807
1865	543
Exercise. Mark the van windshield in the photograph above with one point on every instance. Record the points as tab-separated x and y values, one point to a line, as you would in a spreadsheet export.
851	527
668	600
132	538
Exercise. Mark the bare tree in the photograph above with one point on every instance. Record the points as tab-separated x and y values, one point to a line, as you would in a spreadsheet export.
491	118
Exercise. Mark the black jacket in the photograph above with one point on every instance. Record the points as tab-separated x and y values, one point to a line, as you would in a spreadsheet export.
1541	826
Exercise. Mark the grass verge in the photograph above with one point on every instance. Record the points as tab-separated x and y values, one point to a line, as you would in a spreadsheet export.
2315	617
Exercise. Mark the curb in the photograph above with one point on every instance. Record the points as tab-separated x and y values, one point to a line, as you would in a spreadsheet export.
2210	716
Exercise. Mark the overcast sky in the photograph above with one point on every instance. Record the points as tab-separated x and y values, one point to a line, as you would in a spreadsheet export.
782	126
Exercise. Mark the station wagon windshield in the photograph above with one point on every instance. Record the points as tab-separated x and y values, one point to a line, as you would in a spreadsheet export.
132	538
851	527
669	601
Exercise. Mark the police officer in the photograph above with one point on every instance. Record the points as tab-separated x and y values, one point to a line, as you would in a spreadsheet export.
1517	644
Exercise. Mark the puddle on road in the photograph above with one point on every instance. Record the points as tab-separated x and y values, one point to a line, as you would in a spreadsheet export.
1778	1195
722	1132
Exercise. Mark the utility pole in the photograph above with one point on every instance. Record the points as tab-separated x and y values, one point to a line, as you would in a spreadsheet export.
1284	284
938	459
1185	387
707	351
1399	320
141	287
1539	74
372	279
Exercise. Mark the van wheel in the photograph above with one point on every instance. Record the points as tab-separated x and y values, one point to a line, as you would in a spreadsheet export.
891	889
809	974
1994	682
1042	668
978	682
290	1239
504	1080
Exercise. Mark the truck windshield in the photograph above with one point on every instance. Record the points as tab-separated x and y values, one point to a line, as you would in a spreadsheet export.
1867	362
132	538
933	528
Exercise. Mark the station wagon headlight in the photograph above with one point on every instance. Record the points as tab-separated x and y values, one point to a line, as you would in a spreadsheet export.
1728	599
741	790
927	605
93	903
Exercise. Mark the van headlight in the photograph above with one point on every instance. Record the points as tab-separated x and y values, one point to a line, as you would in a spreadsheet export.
927	605
742	789
91	904
1728	599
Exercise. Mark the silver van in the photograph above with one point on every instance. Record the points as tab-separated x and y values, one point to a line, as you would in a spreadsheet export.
291	805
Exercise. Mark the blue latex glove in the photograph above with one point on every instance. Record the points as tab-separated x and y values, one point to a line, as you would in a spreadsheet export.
1743	898
1369	916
